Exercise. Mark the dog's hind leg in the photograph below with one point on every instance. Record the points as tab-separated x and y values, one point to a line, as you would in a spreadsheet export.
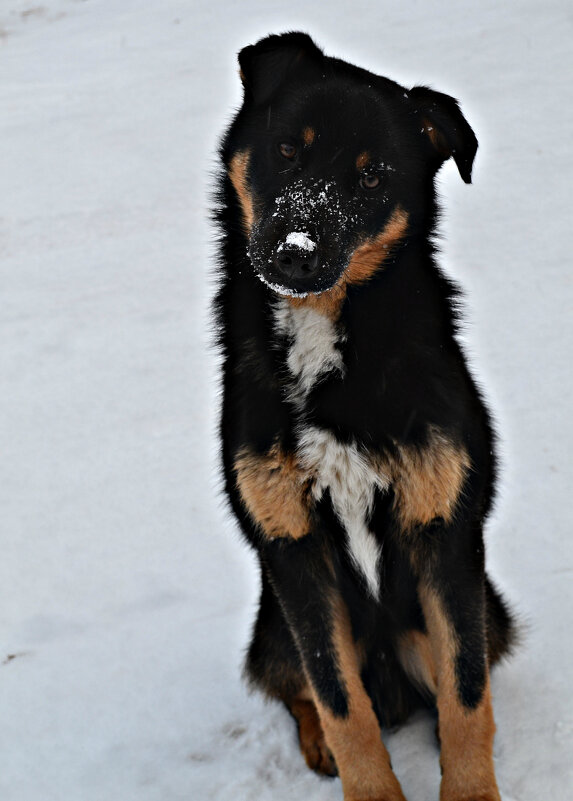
274	666
317	754
500	624
273	663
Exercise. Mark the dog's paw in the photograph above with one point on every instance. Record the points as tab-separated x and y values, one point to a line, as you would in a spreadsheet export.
314	749
319	758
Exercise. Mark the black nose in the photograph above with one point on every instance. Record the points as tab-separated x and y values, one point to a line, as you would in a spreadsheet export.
294	263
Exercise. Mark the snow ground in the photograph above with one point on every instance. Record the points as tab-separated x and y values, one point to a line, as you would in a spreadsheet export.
127	595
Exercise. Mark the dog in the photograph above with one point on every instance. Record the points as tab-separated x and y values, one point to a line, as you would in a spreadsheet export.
358	453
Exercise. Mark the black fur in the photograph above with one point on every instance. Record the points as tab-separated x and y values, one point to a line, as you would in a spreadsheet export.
404	372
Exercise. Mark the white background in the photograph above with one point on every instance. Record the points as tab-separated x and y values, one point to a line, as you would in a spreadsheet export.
126	595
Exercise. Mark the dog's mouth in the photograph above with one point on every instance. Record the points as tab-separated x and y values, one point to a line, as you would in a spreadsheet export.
284	290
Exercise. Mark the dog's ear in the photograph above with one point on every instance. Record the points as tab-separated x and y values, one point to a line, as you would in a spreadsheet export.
269	62
448	131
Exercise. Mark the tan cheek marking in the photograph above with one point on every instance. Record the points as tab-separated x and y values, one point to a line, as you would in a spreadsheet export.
355	741
328	303
308	136
466	735
238	175
368	257
362	160
275	492
427	482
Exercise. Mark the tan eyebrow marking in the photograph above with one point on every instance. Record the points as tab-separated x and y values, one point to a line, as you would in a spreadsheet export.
308	135
362	160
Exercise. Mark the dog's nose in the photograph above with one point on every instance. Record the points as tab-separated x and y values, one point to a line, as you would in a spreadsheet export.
295	263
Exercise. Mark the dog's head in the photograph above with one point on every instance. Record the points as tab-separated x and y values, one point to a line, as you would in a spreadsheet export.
333	166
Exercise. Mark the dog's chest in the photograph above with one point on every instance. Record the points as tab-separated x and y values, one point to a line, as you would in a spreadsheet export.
346	471
313	347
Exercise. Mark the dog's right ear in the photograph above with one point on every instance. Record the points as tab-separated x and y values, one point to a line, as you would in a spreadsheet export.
269	62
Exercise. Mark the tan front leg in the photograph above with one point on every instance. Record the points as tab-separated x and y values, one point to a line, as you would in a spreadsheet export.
466	734
355	740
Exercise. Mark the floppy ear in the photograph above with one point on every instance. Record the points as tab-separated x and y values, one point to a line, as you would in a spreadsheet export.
266	64
446	128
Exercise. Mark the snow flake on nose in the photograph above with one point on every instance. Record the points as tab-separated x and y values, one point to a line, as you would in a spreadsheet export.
300	240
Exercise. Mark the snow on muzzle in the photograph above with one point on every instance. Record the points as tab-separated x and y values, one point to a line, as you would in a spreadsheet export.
297	245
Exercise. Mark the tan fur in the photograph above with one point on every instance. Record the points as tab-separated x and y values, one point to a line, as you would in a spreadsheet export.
415	654
275	492
313	746
362	160
427	482
308	136
466	735
368	256
238	175
355	741
328	303
436	138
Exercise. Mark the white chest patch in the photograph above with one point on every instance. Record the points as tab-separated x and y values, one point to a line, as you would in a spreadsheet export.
351	477
313	349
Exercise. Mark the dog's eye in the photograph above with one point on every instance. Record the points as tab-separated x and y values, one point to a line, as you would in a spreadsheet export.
287	150
369	181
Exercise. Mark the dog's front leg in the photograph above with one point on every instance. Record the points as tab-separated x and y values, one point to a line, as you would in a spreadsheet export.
454	609
303	580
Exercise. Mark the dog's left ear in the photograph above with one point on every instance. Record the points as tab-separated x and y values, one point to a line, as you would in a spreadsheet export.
273	60
447	129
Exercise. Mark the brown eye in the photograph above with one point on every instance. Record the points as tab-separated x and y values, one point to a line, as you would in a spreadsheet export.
369	181
287	150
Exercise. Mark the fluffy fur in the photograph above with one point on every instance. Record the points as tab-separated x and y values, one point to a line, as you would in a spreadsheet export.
357	450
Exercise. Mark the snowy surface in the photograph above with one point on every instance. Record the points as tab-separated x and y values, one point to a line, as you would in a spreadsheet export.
127	596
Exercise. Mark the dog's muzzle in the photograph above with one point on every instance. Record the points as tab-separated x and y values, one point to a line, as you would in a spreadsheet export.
296	259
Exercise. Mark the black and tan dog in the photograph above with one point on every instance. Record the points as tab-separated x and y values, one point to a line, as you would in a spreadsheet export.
358	454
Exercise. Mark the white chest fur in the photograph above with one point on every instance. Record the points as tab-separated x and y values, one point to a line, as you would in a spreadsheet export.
351	477
343	469
313	350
